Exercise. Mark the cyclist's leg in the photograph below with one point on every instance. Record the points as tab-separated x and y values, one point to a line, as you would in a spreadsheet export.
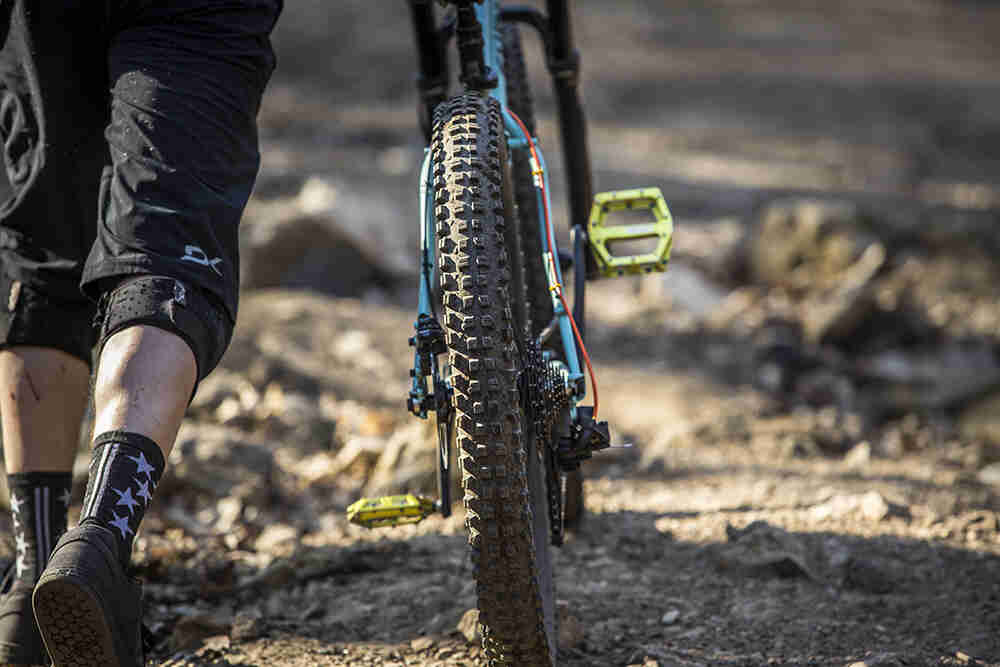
187	81
52	113
187	78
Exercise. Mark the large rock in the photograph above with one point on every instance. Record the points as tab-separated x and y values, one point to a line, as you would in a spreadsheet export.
870	506
761	549
933	377
834	314
806	243
323	239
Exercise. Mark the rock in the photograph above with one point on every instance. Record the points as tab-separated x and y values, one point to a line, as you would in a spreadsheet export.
977	525
670	617
293	407
825	262
320	241
230	511
469	626
838	312
193	628
222	385
990	474
247	626
870	506
874	507
275	535
892	444
981	419
803	242
763	549
933	377
571	631
421	643
859	456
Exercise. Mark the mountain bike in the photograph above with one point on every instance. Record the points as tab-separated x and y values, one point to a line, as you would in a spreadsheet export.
491	298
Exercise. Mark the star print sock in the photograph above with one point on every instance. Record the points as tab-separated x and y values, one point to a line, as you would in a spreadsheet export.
39	502
124	470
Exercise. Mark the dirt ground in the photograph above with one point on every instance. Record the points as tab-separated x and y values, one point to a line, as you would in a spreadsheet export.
841	517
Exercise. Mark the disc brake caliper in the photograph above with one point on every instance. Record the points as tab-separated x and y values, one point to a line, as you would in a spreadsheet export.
429	342
409	508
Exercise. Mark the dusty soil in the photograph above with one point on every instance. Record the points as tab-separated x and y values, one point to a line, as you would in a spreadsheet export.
890	560
831	521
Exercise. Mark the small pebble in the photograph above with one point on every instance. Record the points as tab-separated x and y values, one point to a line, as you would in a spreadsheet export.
670	617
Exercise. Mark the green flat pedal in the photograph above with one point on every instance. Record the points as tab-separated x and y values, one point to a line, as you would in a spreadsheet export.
390	510
661	227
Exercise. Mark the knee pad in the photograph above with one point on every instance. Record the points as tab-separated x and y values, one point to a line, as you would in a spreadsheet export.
171	305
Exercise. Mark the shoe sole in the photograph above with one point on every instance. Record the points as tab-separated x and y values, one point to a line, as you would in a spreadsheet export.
73	625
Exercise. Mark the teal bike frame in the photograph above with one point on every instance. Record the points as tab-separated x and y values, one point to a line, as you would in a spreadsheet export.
488	14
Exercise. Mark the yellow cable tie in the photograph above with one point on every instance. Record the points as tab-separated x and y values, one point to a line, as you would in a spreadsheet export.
538	173
555	287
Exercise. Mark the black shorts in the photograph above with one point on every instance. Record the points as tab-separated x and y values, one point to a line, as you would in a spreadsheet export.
130	146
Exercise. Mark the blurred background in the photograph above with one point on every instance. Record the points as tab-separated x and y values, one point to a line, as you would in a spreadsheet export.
812	388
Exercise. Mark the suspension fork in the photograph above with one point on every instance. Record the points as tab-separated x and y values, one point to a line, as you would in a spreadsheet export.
432	80
563	61
564	65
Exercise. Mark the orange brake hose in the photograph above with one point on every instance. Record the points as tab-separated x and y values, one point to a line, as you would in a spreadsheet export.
539	180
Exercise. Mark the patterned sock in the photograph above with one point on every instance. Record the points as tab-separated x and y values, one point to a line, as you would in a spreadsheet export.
124	470
39	502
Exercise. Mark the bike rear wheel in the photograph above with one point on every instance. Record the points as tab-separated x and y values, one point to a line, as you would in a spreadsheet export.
502	471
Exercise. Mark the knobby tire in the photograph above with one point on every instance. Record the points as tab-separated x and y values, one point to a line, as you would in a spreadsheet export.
502	475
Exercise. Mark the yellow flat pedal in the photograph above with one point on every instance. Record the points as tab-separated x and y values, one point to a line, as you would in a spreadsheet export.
390	510
660	227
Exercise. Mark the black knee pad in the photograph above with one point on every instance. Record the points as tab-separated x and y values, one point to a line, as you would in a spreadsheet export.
173	306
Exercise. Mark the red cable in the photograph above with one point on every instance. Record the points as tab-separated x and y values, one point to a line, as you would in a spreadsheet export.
540	184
